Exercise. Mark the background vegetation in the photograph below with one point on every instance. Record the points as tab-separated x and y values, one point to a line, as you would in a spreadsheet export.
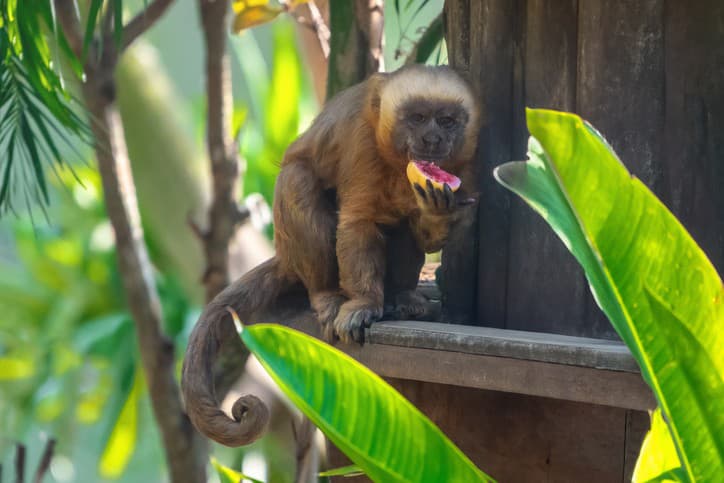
70	366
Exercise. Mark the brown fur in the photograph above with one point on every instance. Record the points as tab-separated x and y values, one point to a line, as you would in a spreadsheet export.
348	225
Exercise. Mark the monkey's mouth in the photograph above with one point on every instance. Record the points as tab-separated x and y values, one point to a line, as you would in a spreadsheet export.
436	159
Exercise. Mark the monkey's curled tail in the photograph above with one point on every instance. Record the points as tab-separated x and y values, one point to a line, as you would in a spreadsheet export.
254	291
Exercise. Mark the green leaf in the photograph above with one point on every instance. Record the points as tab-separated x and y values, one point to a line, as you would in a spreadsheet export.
227	475
122	441
377	428
16	367
427	44
90	26
658	459
658	289
118	21
349	471
282	103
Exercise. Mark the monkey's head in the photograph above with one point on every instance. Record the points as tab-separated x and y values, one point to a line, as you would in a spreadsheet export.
427	113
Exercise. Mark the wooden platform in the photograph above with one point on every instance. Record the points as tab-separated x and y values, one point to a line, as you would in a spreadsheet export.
524	406
562	367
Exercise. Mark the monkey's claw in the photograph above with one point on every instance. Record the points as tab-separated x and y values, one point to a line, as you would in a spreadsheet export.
352	321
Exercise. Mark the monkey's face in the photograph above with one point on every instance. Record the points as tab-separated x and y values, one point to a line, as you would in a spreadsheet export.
430	130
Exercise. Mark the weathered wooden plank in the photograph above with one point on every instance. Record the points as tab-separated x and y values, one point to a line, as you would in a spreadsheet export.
693	137
546	286
513	344
492	64
524	438
621	91
558	381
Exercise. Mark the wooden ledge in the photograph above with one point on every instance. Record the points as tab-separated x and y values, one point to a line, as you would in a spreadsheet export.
561	367
516	344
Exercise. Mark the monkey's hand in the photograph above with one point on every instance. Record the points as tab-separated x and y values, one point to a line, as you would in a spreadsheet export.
439	210
433	201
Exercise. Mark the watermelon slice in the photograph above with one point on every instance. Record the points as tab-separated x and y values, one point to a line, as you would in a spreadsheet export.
420	171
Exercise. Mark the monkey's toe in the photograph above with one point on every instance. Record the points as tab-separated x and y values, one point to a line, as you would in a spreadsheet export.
352	320
412	305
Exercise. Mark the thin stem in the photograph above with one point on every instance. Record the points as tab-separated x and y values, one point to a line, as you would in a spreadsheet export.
143	21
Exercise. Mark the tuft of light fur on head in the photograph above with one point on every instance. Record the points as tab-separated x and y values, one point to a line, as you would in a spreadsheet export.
427	82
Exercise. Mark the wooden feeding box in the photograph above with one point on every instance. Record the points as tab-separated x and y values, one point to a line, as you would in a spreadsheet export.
526	374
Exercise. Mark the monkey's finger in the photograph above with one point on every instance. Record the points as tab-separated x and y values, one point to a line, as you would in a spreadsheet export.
431	192
420	191
449	196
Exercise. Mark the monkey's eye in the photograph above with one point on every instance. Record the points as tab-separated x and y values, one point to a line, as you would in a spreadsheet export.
446	122
417	118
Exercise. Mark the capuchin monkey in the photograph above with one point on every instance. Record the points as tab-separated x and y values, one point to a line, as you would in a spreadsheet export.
348	224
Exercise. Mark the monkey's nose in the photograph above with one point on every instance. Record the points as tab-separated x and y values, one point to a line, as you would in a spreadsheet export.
431	139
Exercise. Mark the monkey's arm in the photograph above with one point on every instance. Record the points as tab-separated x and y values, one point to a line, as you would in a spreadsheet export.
361	259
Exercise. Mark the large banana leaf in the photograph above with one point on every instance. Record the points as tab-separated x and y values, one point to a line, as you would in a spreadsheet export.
381	432
654	283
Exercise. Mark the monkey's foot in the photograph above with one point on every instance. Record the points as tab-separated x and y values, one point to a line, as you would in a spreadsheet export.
326	305
410	305
353	317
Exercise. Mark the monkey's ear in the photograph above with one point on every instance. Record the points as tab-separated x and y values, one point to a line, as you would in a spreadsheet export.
374	89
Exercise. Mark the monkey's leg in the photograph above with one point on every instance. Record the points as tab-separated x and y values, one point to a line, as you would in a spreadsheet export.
361	258
306	237
405	258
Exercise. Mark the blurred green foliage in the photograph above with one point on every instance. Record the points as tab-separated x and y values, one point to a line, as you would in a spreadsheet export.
67	346
69	364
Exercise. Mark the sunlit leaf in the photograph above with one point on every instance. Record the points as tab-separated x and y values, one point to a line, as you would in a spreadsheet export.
16	367
122	441
252	15
282	104
349	471
658	454
227	475
658	289
377	428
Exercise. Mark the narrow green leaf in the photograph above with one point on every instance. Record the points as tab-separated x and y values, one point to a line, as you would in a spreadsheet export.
349	471
122	441
658	289
118	21
35	158
90	26
377	428
227	475
427	44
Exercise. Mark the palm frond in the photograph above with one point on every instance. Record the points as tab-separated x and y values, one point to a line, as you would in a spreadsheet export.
38	116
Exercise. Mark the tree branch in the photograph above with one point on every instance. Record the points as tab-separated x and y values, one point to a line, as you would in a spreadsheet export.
143	21
225	214
222	151
185	454
309	15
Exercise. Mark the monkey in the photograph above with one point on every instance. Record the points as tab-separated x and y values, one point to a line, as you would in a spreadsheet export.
348	225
